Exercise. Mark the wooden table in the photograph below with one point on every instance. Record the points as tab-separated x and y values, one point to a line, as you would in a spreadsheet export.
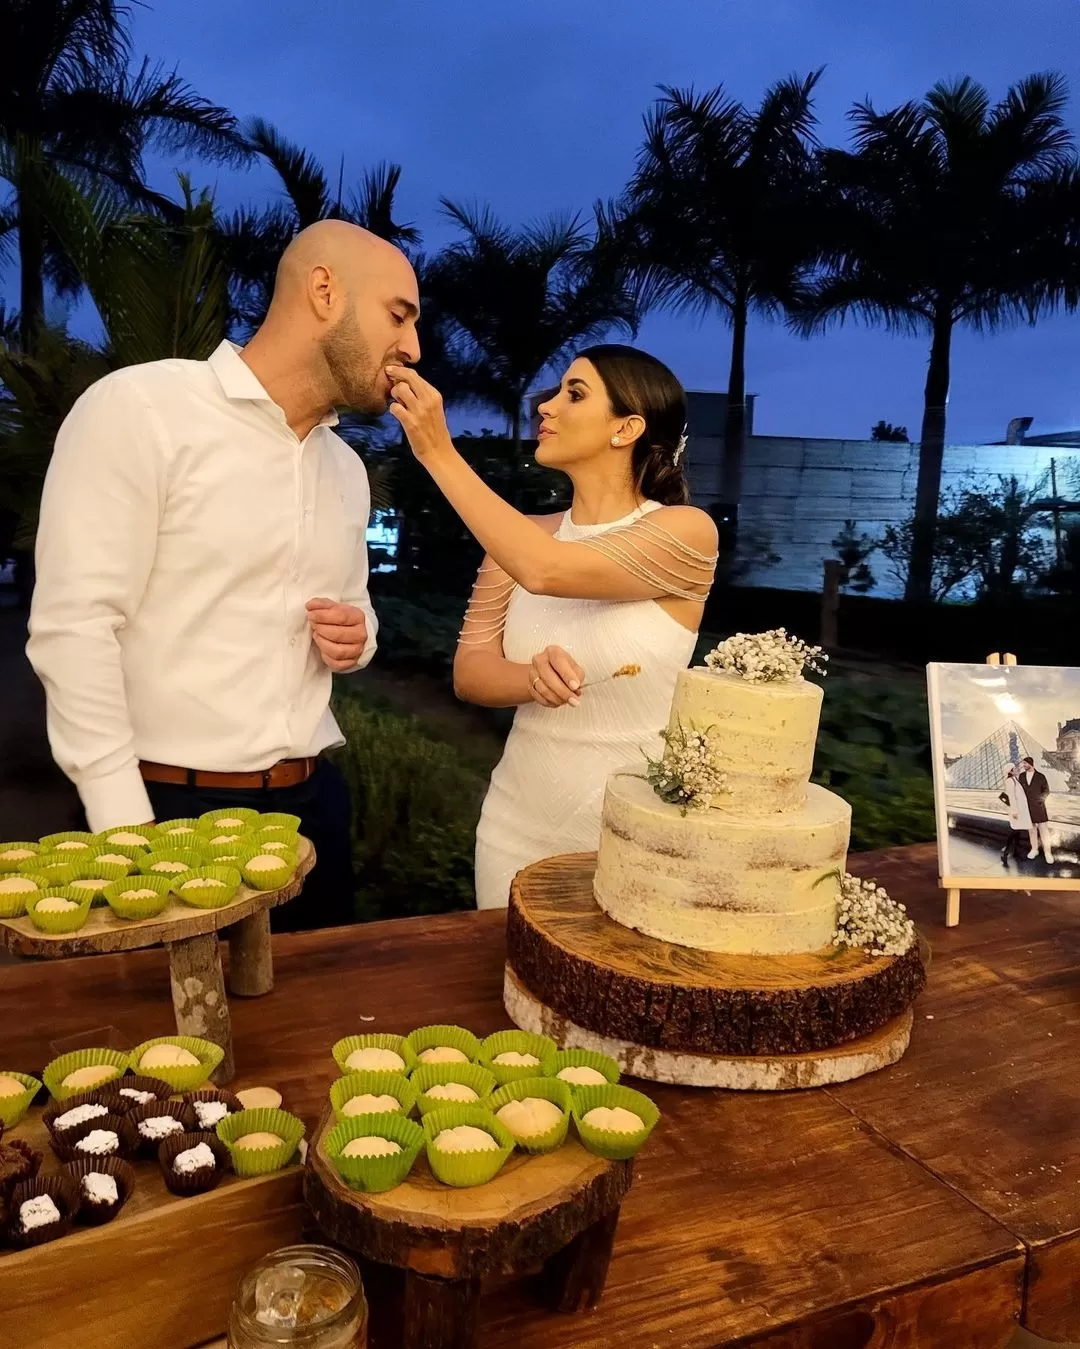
921	1208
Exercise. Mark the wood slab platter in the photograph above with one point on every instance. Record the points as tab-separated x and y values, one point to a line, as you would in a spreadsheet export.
700	1018
161	1275
558	1211
190	936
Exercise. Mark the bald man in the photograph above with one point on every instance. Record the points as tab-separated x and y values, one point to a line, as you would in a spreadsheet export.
202	566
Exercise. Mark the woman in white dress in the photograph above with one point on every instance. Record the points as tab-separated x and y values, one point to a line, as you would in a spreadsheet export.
580	620
1015	798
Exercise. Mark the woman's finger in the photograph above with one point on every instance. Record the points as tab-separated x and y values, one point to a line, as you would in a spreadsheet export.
564	665
553	681
405	395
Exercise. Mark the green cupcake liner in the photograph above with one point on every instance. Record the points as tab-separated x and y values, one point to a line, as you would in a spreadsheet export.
375	1175
177	833
50	871
277	847
268	879
185	1078
209	896
583	1058
519	1042
396	1043
143	831
170	857
260	1161
135	909
616	1147
429	1075
120	850
463	1170
372	1084
56	923
51	842
227	856
13	903
454	1037
209	822
58	1069
94	886
14	1108
272	821
10	864
546	1089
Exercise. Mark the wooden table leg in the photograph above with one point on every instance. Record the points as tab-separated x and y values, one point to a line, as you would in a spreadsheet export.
251	962
573	1279
438	1313
198	991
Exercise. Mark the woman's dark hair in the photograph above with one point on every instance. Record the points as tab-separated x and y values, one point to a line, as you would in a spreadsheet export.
638	383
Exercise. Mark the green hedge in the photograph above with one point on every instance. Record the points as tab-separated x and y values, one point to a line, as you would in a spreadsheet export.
415	811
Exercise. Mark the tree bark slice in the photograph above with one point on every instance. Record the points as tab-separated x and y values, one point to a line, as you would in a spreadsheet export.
251	960
531	1210
198	992
617	983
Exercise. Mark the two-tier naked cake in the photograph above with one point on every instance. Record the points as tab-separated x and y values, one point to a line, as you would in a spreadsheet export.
716	939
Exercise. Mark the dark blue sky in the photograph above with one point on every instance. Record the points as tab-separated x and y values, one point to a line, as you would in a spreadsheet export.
536	108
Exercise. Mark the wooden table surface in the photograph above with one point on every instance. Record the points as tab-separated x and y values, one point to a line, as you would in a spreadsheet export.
926	1206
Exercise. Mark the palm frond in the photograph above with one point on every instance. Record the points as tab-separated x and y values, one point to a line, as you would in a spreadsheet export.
373	206
302	176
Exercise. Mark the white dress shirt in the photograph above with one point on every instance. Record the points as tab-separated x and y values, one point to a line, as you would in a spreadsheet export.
184	527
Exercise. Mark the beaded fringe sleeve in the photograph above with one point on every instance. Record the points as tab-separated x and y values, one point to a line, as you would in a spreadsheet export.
652	554
485	618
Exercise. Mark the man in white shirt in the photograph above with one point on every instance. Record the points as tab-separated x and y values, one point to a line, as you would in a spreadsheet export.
202	563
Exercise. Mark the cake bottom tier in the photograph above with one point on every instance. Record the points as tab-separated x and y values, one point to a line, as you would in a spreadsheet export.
607	979
717	881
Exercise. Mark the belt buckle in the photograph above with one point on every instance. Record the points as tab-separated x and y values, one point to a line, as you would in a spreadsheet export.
267	779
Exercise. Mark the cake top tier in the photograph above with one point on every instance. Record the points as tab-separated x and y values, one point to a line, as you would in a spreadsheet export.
766	657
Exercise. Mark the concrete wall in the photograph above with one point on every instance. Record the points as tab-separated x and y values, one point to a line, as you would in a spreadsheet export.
800	492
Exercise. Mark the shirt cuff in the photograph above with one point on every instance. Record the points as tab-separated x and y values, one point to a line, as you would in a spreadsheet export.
117	799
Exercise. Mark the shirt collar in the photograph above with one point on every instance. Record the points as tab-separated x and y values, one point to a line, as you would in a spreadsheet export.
238	380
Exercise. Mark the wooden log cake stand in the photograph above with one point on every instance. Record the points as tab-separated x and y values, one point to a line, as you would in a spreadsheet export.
700	1018
190	936
558	1211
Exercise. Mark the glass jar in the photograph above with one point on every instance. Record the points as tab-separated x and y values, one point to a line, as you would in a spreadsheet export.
304	1297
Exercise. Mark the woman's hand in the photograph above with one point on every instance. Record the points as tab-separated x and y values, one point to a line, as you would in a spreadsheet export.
418	406
555	678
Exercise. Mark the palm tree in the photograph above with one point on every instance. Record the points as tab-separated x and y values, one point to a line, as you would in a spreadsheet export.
70	105
714	221
254	240
517	302
941	220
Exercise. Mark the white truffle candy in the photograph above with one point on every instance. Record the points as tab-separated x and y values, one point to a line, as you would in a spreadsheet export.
512	1059
10	1086
17	854
71	1119
139	1097
160	1126
113	859
168	1056
374	1060
614	1121
370	1146
530	1117
265	862
583	1076
39	1212
99	1143
466	1138
56	904
100	1189
17	885
208	1113
370	1104
127	839
198	1158
452	1091
443	1054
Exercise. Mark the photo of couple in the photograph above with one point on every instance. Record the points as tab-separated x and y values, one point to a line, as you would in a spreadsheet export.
1006	744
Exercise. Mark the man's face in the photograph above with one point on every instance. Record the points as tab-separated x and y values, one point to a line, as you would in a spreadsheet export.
377	328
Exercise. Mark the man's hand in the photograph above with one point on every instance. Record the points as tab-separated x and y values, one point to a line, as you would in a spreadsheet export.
339	631
418	406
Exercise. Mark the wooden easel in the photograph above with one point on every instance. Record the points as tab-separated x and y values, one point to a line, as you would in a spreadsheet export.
952	885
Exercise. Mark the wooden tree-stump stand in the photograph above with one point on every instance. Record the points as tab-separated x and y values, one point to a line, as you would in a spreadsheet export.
190	936
699	1018
557	1212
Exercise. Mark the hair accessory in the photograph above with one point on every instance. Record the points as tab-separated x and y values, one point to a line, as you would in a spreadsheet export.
680	449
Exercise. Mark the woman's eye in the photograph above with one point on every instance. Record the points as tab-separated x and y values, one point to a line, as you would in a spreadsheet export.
575	397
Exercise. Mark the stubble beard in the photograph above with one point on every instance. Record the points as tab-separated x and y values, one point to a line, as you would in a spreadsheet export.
354	374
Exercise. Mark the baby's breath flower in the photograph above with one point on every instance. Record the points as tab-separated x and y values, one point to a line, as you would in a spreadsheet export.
686	775
868	920
766	657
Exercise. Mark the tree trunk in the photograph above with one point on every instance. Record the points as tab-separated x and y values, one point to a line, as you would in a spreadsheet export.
726	510
931	454
31	259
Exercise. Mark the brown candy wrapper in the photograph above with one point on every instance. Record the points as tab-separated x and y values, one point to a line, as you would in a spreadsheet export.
195	1182
92	1214
61	1190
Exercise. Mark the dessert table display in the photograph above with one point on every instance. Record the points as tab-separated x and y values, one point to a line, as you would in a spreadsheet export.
178	885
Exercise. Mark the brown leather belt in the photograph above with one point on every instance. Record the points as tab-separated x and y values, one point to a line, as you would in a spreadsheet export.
286	773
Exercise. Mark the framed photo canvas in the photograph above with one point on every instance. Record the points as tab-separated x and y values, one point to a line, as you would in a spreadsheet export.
1006	747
